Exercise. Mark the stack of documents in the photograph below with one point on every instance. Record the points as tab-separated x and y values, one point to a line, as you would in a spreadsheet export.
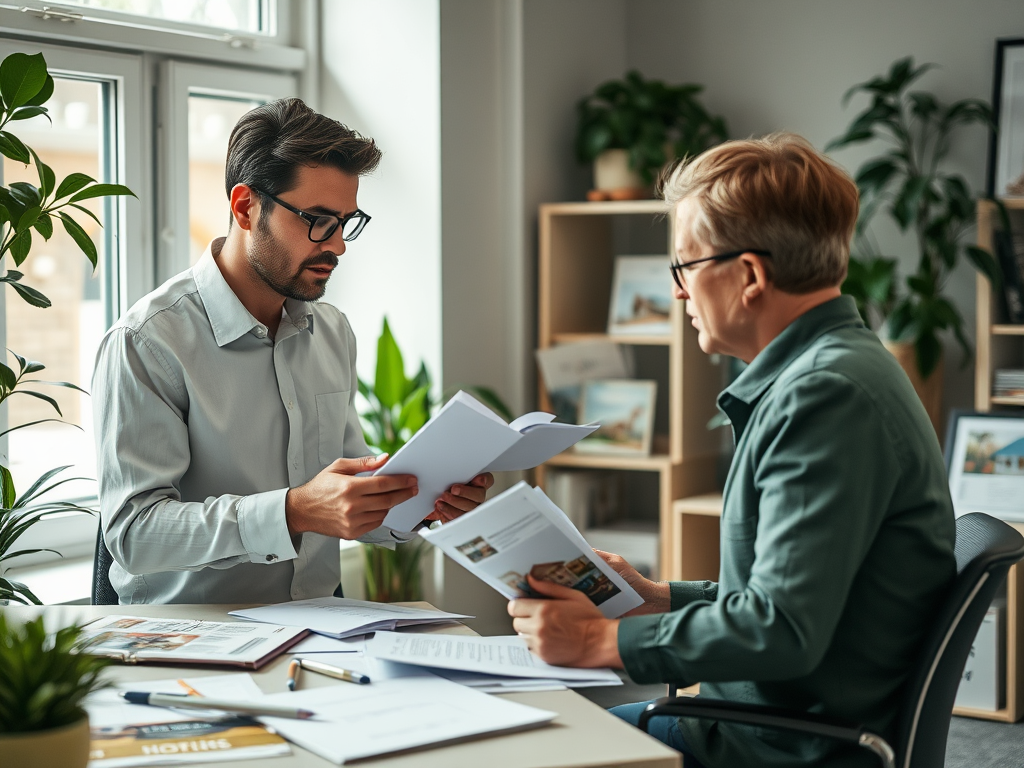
126	734
340	617
501	657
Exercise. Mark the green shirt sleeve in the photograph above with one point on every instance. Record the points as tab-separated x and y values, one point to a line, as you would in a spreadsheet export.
801	529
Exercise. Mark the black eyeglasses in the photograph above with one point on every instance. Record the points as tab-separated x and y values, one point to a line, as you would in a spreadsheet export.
676	269
323	225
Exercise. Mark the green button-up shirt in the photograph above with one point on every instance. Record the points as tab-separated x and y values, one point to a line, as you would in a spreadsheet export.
837	539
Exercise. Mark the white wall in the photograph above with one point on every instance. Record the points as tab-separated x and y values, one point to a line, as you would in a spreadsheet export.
785	64
380	76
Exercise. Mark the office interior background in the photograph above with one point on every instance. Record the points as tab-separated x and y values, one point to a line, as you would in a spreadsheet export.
472	102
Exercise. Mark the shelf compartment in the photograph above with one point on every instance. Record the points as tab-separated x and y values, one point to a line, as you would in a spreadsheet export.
1008	329
618	338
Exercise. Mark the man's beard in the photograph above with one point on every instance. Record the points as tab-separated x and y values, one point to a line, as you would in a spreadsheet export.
269	261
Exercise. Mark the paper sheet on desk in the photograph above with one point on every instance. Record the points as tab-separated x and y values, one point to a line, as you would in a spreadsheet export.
504	655
340	617
464	439
359	721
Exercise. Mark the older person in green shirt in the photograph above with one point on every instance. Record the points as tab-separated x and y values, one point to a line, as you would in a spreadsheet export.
837	529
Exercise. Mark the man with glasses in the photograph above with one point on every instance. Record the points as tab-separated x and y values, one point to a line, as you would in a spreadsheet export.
837	527
228	442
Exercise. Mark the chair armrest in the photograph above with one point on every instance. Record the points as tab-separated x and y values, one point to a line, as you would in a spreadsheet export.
770	717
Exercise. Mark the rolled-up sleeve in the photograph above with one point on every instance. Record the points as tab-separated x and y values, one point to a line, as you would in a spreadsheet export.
142	454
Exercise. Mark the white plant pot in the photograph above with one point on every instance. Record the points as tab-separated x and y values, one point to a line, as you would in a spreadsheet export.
612	171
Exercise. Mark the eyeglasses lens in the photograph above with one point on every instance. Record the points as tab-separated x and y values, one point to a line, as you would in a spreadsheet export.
352	227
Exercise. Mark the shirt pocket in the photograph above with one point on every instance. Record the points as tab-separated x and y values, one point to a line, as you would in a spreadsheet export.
332	418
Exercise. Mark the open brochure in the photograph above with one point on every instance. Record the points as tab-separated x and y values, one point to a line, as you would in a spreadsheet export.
139	639
522	532
466	438
124	735
342	617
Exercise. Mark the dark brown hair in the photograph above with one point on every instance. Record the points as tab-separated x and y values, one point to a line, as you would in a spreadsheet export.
270	142
775	193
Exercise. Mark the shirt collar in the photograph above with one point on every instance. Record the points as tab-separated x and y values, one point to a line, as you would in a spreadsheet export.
228	317
790	344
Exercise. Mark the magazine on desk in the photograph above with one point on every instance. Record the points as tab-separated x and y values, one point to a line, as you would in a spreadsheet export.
522	532
143	640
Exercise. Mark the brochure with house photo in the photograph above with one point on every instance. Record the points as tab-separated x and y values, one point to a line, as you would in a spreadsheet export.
522	532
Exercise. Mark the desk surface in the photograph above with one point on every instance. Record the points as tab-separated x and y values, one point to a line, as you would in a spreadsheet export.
583	734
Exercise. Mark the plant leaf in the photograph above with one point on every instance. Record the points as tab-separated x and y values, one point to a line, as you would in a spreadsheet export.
22	77
31	295
19	248
81	238
44	93
7	492
72	183
11	146
390	382
101	190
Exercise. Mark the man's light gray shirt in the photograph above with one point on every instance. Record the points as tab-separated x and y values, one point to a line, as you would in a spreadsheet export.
203	424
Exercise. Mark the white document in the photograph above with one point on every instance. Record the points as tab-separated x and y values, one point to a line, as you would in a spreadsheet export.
520	532
322	644
504	655
359	721
464	439
340	617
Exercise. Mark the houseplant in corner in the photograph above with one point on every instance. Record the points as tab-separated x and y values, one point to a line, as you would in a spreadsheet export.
630	128
25	86
43	682
395	408
911	182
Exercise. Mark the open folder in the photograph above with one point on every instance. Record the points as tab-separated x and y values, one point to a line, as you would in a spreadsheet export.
464	439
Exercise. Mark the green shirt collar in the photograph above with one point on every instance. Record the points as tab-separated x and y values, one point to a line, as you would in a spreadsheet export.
786	347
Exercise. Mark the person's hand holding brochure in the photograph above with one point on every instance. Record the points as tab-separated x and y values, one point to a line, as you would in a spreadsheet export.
521	532
464	439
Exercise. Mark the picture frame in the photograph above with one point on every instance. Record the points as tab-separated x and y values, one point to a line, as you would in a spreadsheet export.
625	410
641	301
985	463
1006	145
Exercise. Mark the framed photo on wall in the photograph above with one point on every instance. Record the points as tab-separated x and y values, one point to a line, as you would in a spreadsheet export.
641	296
985	463
625	410
1006	153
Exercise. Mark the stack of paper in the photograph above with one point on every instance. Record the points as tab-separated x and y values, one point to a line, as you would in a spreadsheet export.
501	656
358	721
340	617
126	734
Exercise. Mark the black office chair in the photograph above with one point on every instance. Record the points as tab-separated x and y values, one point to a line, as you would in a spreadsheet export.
985	550
102	591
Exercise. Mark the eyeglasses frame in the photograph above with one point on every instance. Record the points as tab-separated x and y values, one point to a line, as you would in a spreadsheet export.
676	269
311	219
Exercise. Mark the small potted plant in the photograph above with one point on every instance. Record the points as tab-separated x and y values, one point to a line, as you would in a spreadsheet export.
911	182
43	682
630	128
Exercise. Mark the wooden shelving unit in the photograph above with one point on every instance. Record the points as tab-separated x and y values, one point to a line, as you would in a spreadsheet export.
578	245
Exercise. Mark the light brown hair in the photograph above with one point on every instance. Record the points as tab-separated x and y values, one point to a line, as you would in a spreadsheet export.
777	194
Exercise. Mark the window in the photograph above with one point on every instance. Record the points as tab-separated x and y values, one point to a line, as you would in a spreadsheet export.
242	15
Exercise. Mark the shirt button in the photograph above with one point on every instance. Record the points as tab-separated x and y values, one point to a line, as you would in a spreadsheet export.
290	405
271	558
261	332
295	465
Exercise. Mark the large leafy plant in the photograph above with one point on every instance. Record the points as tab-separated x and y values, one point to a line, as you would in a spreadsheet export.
28	211
396	407
645	117
909	181
43	679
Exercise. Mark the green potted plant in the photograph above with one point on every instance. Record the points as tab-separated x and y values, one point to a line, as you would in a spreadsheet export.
26	211
396	406
630	128
43	682
910	181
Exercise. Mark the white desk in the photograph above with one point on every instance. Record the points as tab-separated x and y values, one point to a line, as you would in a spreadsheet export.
583	734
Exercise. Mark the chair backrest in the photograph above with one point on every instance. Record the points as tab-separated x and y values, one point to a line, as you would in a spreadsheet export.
102	591
985	550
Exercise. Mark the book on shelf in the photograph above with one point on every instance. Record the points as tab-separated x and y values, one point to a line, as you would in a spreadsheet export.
1008	382
144	640
1009	248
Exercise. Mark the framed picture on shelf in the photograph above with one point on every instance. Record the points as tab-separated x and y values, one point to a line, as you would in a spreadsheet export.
625	410
641	296
1006	147
565	367
985	463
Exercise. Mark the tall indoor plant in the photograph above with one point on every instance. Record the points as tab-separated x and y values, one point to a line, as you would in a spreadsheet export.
639	125
396	406
911	182
28	211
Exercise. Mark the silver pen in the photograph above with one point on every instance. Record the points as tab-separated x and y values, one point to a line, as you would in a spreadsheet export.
187	701
337	673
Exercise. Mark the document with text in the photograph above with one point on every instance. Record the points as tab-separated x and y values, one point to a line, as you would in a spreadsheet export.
503	655
522	532
466	438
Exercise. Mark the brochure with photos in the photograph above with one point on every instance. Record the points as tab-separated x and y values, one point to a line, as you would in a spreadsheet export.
521	532
139	639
